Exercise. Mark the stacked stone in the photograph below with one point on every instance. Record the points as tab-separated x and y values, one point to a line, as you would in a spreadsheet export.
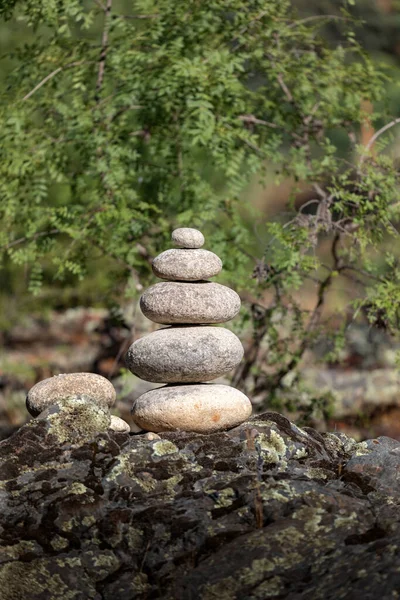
191	350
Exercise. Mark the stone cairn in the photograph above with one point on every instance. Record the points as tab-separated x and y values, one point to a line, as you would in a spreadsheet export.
190	350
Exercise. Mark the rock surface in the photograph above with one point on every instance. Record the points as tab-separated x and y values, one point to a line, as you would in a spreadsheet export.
44	393
266	510
203	408
186	237
176	302
184	354
186	265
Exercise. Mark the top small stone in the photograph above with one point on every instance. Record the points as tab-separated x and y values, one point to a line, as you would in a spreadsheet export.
186	237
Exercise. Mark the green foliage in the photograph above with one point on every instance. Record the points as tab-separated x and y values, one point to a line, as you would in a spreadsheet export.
121	120
118	125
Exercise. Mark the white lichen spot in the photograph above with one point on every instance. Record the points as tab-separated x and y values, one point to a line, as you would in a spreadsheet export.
77	488
345	520
315	473
273	447
58	543
362	573
301	453
361	449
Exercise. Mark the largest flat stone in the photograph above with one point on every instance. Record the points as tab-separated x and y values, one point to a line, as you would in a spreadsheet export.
203	408
184	354
179	302
186	265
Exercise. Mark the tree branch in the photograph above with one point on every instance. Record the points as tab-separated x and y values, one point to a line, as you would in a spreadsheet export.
318	17
252	120
375	137
104	47
29	239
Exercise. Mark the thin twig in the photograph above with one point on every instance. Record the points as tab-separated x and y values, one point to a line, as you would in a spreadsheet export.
316	17
30	239
104	47
252	120
375	137
51	75
285	87
155	16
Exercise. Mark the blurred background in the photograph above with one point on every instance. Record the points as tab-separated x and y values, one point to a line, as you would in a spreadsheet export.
75	325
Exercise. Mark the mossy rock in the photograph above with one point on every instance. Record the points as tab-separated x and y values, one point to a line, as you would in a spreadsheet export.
266	510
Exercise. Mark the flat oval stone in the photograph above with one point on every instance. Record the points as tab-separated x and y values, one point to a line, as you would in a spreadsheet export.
203	408
186	265
178	302
46	392
186	237
184	354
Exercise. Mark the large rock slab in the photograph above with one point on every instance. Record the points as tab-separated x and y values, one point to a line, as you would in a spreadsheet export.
177	302
186	265
47	391
203	408
266	510
184	354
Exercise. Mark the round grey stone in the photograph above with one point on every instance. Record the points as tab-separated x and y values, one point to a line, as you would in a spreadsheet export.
186	265
186	237
203	408
46	392
184	354
178	302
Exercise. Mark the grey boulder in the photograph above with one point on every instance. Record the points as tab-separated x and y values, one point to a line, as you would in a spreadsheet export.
186	265
179	302
186	237
203	408
46	392
184	354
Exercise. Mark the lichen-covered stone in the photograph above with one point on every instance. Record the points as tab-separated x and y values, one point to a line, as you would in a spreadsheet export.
186	237
186	265
203	408
184	354
266	510
179	302
44	393
75	419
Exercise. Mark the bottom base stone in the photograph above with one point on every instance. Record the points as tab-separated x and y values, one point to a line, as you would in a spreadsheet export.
200	407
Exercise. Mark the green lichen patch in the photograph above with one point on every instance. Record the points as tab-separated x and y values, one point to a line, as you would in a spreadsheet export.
164	447
75	419
222	498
